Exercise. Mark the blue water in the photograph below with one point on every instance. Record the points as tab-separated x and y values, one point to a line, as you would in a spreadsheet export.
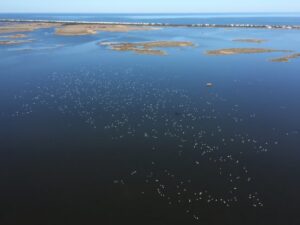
94	136
222	18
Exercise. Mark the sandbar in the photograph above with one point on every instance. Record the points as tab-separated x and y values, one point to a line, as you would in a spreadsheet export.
286	58
148	48
235	51
90	29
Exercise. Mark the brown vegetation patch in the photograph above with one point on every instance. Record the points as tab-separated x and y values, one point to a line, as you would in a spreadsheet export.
286	58
256	41
25	27
147	47
90	29
14	42
15	36
234	51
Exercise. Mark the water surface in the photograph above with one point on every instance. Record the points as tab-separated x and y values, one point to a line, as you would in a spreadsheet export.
91	136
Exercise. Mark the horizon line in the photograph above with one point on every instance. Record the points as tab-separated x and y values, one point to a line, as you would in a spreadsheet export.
235	12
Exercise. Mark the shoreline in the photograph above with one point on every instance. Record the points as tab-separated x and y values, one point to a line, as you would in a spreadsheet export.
249	26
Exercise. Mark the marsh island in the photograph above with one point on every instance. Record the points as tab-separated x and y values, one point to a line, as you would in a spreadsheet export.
148	48
286	58
250	40
235	51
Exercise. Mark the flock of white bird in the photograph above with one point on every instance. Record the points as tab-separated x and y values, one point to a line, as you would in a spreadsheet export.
198	148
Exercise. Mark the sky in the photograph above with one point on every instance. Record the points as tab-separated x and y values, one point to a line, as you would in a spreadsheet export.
148	6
